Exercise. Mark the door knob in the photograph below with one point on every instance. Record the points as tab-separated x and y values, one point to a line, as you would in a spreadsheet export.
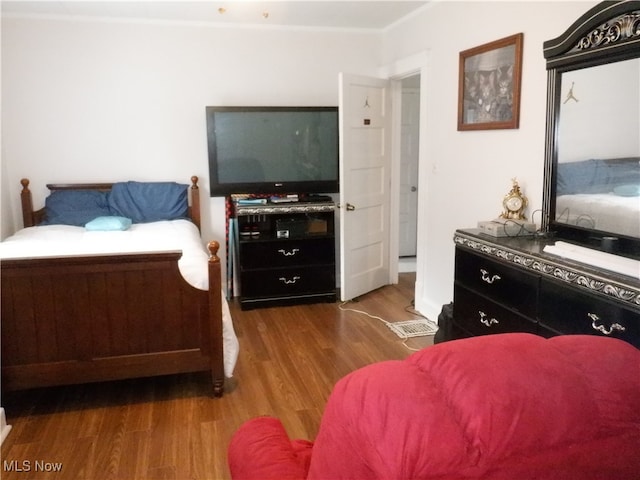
414	189
350	208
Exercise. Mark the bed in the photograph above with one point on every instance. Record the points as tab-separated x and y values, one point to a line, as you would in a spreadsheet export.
111	281
608	212
601	194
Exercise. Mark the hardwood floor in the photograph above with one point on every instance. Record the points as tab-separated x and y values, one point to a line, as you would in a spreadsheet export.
172	428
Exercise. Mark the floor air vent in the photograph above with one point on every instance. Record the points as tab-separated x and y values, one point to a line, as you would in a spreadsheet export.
413	328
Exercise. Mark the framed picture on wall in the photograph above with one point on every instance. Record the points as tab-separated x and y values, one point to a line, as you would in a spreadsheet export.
489	85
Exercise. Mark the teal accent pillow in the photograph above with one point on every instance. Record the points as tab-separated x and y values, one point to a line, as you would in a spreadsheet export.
627	190
108	223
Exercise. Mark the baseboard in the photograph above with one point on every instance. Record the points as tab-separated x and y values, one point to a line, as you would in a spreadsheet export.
424	306
4	428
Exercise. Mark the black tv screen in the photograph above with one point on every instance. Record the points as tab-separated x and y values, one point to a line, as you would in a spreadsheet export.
272	150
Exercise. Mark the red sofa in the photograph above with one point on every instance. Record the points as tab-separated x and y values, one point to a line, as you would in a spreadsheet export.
511	407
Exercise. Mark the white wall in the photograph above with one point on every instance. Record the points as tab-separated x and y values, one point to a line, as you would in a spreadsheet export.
464	175
108	101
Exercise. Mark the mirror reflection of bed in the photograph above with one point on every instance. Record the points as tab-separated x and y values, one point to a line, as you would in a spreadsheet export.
600	195
595	154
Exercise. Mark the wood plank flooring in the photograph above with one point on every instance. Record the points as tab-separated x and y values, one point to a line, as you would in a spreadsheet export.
172	428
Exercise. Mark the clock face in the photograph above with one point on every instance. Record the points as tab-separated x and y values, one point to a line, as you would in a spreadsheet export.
513	204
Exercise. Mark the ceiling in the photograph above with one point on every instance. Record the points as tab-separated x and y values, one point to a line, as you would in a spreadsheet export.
371	15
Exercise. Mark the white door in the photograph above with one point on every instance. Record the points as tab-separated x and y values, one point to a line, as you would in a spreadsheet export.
364	184
410	129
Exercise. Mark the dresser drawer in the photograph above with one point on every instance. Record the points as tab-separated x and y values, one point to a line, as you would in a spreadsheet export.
288	281
480	316
262	254
513	288
565	310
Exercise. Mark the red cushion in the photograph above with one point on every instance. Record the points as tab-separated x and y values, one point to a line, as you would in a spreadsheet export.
261	449
499	407
387	421
512	393
612	369
612	458
462	408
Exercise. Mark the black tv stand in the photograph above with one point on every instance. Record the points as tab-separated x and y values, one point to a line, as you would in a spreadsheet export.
316	198
286	253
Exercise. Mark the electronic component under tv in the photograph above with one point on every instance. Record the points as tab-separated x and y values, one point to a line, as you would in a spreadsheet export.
271	150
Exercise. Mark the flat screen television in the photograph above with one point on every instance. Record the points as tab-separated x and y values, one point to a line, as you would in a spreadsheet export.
273	150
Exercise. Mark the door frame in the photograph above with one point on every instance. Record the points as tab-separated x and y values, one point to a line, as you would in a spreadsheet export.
412	186
395	72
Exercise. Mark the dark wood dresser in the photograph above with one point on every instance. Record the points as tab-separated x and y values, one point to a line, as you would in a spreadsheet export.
511	285
286	254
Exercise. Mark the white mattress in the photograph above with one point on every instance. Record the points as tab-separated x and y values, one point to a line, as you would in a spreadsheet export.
603	211
170	235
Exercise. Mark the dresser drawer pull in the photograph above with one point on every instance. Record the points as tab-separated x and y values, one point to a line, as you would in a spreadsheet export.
487	321
487	278
288	253
601	328
289	282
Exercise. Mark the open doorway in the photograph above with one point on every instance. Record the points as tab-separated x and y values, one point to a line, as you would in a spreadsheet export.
409	150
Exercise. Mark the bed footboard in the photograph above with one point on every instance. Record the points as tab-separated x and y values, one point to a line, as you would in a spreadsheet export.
95	318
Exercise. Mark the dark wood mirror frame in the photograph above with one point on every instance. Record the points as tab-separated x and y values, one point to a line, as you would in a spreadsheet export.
607	33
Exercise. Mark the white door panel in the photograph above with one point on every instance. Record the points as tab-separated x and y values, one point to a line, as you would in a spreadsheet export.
408	228
364	184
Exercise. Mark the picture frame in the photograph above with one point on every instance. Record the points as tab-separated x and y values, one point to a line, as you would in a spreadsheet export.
490	77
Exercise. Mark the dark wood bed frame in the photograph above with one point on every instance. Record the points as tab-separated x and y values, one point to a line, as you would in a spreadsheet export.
96	318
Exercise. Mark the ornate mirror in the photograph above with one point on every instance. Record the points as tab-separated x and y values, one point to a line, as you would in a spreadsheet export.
592	164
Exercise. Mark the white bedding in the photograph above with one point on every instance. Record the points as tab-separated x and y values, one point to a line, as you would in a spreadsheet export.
65	240
603	211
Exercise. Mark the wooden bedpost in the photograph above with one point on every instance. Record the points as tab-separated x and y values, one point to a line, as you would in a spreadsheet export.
215	312
27	204
195	202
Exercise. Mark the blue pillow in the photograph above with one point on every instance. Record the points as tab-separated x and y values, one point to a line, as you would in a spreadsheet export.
149	201
75	207
597	176
108	223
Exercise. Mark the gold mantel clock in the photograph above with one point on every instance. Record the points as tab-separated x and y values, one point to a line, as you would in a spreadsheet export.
514	203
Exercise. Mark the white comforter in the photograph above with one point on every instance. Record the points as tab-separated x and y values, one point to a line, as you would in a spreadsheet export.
170	235
602	211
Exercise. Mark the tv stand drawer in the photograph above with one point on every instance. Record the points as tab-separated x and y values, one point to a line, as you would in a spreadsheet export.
285	253
287	281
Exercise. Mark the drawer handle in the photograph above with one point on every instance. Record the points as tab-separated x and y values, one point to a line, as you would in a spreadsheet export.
487	321
601	328
487	278
289	253
289	282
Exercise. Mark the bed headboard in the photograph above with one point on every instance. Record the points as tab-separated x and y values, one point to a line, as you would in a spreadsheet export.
31	217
